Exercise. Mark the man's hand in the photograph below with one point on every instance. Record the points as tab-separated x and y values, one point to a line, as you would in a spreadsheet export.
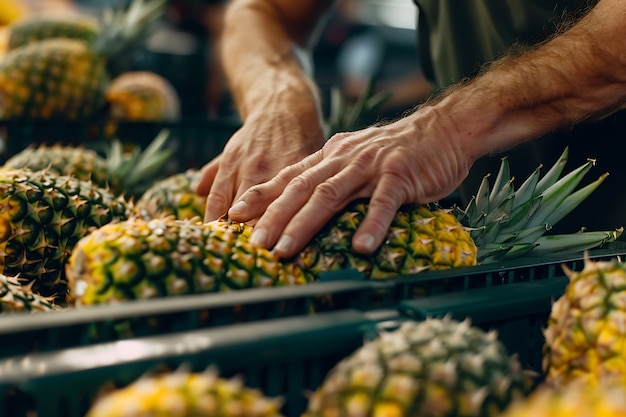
254	154
393	164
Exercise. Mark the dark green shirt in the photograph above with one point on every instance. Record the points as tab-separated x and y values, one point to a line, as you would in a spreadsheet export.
457	36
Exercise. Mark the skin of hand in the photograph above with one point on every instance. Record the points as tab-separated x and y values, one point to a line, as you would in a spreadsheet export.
578	75
275	98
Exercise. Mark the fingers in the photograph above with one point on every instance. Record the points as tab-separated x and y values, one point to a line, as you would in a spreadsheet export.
308	202
256	200
221	195
387	198
208	175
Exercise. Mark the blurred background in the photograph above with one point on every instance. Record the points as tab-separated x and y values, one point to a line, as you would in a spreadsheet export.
361	41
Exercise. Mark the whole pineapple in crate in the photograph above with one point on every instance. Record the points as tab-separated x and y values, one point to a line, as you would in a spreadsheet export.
123	169
139	96
64	77
586	332
175	196
165	256
182	393
47	25
575	399
435	368
16	297
142	96
42	217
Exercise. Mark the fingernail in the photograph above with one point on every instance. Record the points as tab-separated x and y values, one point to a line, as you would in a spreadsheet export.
238	208
284	244
366	242
259	237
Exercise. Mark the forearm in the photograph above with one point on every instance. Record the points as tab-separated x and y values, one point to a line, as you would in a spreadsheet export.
262	69
578	75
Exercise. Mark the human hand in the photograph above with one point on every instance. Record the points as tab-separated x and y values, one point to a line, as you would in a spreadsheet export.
406	161
254	154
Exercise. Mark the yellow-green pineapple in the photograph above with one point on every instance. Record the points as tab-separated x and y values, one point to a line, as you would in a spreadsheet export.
42	217
586	332
175	196
39	26
186	394
65	77
161	257
576	399
125	170
434	368
142	96
17	297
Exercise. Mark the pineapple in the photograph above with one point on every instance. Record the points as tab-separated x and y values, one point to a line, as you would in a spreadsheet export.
577	399
174	196
140	259
420	237
124	172
17	297
40	26
64	77
435	368
181	393
11	11
585	337
42	217
142	96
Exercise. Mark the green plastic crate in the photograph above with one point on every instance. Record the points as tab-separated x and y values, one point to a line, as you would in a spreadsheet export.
345	289
285	357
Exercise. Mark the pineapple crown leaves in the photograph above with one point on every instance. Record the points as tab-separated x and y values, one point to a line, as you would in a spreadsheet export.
133	170
119	29
507	223
346	116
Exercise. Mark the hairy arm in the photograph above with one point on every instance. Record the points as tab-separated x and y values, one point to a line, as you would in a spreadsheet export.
578	75
258	51
275	97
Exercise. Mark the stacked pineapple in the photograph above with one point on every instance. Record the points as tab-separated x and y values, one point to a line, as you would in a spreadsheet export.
15	296
57	66
435	368
123	169
586	332
174	196
181	393
575	400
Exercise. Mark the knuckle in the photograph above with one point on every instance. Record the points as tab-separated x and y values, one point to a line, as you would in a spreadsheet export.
217	200
328	191
301	184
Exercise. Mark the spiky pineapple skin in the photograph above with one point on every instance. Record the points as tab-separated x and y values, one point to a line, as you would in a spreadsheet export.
186	394
142	96
435	368
42	217
52	78
585	337
164	256
84	164
139	259
38	27
174	196
16	297
576	399
419	237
